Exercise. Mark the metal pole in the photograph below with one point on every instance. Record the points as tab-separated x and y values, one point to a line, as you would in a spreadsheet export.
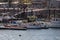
54	15
8	3
48	9
49	14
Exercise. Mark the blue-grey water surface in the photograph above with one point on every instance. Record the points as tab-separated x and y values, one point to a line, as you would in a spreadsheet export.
42	34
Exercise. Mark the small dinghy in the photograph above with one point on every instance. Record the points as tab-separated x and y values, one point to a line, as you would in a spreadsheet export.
13	27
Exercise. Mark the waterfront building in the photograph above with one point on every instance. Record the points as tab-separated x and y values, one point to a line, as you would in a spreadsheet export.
40	8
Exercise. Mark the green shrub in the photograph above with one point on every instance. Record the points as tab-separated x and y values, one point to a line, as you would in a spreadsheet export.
31	18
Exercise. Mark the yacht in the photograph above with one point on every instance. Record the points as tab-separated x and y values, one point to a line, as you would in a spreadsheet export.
36	25
55	22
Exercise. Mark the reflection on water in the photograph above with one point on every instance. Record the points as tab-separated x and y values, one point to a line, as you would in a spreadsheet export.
43	34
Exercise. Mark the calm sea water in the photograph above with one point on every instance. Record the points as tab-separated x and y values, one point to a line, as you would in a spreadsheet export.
42	34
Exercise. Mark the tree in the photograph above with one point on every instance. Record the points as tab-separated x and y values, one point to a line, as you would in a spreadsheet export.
25	1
